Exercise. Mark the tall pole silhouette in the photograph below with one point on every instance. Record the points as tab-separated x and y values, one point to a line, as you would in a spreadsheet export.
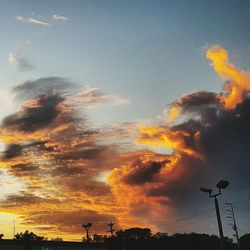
217	209
232	216
220	185
14	229
111	230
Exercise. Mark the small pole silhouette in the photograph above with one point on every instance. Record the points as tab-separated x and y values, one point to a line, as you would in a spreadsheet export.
232	216
87	227
111	231
14	229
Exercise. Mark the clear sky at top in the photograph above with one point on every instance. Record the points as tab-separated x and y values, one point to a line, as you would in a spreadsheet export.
149	52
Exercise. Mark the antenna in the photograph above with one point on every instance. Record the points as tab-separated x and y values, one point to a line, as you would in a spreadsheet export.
14	229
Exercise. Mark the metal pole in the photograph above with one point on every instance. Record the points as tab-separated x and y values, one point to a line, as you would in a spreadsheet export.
87	232
216	204
14	229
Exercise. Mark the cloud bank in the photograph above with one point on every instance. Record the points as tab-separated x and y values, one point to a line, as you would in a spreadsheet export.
52	147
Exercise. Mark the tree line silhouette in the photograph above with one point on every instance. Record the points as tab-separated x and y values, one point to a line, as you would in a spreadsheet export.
144	239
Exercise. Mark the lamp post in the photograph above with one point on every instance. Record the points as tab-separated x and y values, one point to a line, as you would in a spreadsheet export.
222	184
87	227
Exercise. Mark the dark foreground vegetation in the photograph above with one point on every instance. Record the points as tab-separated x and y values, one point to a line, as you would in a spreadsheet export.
143	239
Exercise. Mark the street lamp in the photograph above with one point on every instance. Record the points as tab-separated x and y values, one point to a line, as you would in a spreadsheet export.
222	184
87	227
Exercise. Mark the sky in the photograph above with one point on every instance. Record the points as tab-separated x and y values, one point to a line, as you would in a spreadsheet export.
119	111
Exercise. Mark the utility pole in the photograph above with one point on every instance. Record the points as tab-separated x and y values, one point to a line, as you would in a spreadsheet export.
217	209
14	229
111	231
220	185
232	216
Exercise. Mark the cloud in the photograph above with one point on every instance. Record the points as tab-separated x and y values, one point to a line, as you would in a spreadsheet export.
19	61
93	97
206	145
35	114
18	57
143	172
52	147
59	18
12	151
31	89
32	20
48	140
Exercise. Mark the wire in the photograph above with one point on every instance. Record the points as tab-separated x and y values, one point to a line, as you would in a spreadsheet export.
185	219
241	201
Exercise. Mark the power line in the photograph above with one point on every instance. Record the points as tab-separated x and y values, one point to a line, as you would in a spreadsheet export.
234	226
185	219
241	201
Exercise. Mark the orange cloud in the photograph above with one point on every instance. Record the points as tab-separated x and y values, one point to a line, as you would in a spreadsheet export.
55	151
164	137
174	112
238	81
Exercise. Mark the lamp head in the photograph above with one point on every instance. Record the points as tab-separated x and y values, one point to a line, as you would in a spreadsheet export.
89	225
222	184
206	190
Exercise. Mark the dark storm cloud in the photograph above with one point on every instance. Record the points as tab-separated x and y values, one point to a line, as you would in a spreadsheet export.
204	104
12	151
143	172
23	169
24	198
197	100
47	85
217	147
35	117
191	173
226	142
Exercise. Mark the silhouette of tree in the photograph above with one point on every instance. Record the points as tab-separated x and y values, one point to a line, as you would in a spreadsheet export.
245	242
56	239
143	239
134	233
160	235
27	236
99	238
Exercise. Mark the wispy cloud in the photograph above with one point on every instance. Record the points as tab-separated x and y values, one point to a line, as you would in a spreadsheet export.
59	18
49	126
19	61
32	20
18	57
93	97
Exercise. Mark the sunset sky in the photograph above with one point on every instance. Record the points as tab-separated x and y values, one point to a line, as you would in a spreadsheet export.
120	111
